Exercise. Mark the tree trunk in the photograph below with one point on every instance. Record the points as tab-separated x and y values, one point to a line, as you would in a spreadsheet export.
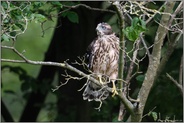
154	62
45	77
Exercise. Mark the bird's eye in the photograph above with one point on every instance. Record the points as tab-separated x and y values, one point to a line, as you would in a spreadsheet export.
103	27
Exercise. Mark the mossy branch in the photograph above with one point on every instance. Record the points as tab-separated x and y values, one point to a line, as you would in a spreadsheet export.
125	102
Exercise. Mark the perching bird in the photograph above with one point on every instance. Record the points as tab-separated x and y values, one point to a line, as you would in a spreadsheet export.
103	56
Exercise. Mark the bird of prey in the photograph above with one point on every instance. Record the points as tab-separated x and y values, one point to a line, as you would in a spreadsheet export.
103	56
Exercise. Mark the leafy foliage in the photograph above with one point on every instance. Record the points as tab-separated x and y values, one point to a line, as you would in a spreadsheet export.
17	15
154	115
137	26
140	79
72	16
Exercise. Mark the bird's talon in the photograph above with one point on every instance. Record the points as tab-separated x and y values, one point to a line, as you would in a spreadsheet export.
114	90
114	93
100	79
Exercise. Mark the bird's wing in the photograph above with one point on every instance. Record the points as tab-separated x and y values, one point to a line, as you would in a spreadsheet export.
90	54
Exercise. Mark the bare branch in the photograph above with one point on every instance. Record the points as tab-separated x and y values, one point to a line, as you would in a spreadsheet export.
168	53
82	5
100	105
130	70
147	21
66	66
58	86
133	100
145	46
88	7
148	112
176	83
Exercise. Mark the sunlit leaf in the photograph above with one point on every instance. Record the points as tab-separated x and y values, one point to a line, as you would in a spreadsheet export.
154	115
40	18
5	38
130	33
57	3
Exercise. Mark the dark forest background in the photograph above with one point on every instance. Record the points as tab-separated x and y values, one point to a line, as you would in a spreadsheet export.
26	90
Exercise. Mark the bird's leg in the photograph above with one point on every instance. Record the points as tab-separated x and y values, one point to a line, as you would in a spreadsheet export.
114	89
100	79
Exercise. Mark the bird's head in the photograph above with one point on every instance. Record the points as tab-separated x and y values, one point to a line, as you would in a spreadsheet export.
103	29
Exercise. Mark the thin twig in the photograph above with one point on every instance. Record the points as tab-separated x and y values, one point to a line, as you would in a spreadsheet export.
175	82
81	5
88	7
149	19
145	46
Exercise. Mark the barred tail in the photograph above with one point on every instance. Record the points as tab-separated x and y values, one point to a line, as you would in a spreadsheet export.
93	92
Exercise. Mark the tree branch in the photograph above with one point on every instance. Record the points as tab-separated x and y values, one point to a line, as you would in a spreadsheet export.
145	46
88	7
176	83
171	45
66	66
83	5
168	53
125	103
131	66
155	59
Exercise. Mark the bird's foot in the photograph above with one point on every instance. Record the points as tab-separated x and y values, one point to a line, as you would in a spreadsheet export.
100	79
114	91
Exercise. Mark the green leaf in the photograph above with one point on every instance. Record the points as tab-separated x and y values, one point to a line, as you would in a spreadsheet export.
154	115
57	3
130	33
20	26
16	14
69	3
143	24
37	5
115	119
5	38
140	78
73	17
13	33
135	21
6	20
4	4
39	18
137	26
